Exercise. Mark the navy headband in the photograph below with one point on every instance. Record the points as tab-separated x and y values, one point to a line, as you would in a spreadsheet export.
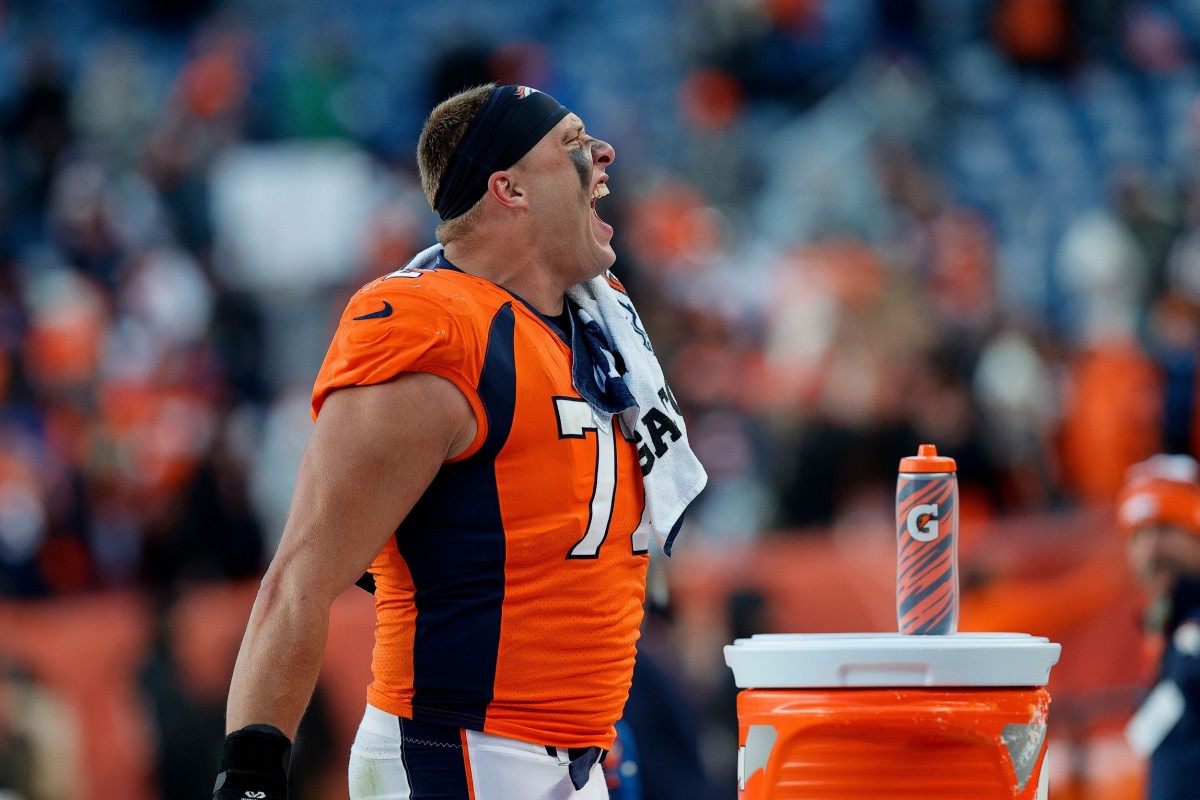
511	122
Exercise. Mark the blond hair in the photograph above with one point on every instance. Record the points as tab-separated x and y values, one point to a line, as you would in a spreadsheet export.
441	134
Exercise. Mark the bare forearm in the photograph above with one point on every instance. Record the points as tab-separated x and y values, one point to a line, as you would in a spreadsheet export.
279	660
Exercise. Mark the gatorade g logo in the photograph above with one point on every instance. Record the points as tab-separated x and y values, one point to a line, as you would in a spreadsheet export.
923	522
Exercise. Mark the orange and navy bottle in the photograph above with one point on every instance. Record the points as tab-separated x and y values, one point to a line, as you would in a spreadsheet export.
927	543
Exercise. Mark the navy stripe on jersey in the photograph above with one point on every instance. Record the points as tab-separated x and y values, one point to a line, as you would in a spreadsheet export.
453	544
433	761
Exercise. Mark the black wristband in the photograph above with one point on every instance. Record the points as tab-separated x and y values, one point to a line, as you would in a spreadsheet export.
255	762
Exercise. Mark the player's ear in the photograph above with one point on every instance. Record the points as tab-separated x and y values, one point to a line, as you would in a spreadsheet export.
503	187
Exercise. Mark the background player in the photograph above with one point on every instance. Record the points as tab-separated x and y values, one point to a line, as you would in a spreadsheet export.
1160	511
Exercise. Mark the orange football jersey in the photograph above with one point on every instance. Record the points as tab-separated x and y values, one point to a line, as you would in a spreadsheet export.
510	598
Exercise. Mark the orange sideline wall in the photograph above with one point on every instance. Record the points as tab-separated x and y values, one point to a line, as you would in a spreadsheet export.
1061	576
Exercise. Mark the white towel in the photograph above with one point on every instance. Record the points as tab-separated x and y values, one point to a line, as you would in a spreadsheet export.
426	259
671	473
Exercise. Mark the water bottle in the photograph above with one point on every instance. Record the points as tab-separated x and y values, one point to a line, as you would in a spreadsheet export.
927	544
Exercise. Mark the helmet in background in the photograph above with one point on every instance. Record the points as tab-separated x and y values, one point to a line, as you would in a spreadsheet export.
1164	490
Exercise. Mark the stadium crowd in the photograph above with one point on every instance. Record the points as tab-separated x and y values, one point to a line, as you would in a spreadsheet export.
850	227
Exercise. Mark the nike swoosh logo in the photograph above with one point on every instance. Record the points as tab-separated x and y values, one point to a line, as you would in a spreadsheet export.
386	311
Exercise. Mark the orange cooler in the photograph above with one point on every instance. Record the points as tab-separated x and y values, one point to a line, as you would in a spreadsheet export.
858	716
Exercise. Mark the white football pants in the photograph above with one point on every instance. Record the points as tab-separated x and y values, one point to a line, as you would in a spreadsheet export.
398	759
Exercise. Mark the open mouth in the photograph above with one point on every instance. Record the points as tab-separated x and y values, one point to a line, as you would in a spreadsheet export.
601	190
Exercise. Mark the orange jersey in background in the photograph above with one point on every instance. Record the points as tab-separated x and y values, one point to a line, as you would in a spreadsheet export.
510	598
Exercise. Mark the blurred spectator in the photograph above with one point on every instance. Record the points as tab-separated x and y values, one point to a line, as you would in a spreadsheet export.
1183	259
712	105
116	99
38	747
747	614
1019	400
789	50
1173	339
38	125
183	683
309	94
1035	33
621	772
670	766
664	715
187	729
1105	276
1151	214
213	534
1112	417
1153	39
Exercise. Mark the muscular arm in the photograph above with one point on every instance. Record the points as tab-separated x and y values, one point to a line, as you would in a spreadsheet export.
374	450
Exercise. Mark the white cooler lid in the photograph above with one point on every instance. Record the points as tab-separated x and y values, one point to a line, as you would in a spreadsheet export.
818	660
